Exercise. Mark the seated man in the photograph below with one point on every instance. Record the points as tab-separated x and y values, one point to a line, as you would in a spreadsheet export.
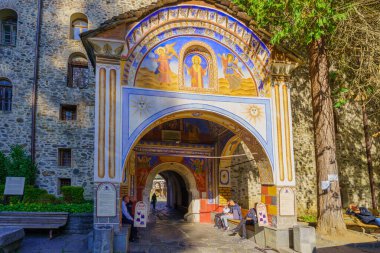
127	218
249	219
235	213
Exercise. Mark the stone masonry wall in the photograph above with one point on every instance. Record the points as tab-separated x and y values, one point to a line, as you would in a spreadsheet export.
351	156
17	64
53	91
245	180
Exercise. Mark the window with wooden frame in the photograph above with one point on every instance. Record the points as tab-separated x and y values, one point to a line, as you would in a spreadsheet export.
78	73
8	27
5	95
64	157
68	112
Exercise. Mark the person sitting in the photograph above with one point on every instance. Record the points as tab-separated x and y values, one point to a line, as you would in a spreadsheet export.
235	213
363	214
217	220
127	218
249	219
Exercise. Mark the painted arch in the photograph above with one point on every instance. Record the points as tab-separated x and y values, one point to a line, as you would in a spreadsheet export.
162	50
145	109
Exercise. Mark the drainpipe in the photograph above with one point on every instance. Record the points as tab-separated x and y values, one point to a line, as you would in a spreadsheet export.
35	82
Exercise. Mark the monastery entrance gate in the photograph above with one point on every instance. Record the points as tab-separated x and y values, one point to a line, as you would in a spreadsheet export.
161	73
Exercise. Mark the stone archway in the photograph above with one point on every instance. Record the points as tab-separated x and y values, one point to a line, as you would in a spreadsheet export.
194	204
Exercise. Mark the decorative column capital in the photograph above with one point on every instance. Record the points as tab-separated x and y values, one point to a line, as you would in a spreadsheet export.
281	67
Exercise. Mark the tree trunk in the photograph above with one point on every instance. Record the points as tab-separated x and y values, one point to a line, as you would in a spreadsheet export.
330	218
368	146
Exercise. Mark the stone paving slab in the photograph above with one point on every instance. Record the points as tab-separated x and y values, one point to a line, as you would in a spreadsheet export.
168	232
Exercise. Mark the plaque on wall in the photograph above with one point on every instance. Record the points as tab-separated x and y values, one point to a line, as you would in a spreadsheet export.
287	202
141	215
262	215
14	186
224	177
106	200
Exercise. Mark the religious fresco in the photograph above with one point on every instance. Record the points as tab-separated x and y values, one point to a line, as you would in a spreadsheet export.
180	65
144	164
163	46
198	166
191	131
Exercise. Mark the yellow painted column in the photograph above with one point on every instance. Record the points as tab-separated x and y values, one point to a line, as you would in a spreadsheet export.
112	124
101	120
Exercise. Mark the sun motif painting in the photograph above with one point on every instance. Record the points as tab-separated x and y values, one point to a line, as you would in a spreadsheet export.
254	113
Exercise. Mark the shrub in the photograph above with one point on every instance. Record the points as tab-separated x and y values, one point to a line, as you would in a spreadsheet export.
36	195
72	194
17	164
39	207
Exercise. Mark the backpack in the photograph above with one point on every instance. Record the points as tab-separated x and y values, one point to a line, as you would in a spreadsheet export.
218	221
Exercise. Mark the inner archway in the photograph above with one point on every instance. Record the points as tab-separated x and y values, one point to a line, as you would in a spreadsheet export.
184	197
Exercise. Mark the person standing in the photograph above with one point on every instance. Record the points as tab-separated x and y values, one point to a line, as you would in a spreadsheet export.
127	218
154	201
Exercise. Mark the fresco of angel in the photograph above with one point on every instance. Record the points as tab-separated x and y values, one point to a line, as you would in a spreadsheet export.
197	165
232	71
165	54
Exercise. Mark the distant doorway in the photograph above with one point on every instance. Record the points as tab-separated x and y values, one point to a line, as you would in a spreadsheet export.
159	188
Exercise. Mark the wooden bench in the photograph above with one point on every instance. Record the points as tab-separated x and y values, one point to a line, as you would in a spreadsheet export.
354	223
34	220
234	223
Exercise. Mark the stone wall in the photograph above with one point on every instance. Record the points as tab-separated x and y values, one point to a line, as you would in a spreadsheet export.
303	142
17	64
245	181
351	156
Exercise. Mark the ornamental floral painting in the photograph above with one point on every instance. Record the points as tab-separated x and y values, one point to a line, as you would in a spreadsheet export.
197	64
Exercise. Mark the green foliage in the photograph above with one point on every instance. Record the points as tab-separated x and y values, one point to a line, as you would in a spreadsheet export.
17	164
308	218
32	195
40	207
299	20
72	194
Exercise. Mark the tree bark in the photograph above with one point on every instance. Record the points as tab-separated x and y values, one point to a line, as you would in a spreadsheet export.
368	147
330	217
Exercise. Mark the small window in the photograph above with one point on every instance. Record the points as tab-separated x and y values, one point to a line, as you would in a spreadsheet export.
63	182
8	28
79	24
5	95
68	112
78	73
64	157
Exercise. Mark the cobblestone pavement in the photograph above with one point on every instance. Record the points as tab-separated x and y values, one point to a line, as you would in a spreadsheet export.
168	232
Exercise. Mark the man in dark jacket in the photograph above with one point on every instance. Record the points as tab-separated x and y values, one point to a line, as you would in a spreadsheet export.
249	219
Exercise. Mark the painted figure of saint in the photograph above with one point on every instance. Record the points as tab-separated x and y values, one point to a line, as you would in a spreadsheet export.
163	69
232	72
196	72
